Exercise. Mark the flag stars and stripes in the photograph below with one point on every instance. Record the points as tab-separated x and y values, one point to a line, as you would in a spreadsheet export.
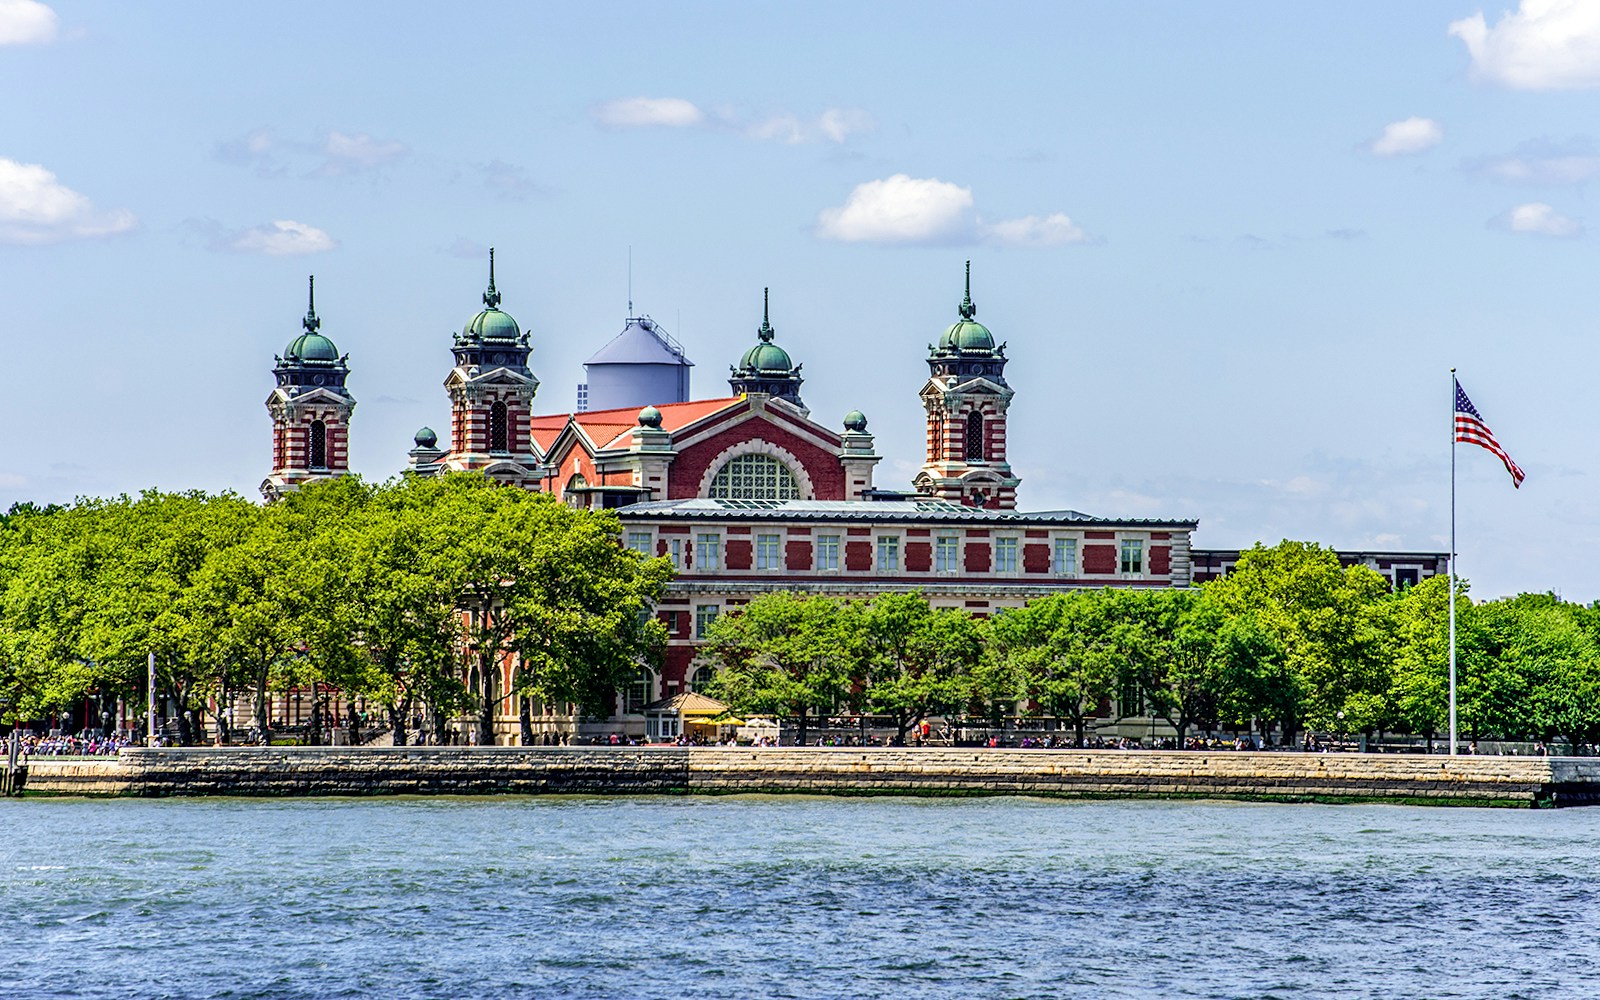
1470	429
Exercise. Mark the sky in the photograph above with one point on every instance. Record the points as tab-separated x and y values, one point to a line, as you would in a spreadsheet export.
1235	248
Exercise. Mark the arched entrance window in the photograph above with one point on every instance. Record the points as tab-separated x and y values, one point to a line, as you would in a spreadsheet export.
754	477
975	437
319	445
701	680
497	427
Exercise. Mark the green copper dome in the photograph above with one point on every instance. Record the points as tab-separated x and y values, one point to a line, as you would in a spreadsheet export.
967	335
767	357
855	420
311	347
491	323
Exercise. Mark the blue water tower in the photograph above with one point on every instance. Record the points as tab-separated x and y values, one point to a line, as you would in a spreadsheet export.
641	366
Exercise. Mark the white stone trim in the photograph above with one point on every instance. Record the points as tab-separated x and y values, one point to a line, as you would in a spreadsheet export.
756	446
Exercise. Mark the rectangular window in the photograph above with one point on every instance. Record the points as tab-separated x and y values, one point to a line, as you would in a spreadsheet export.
637	695
707	551
704	615
1005	555
947	554
888	553
639	541
827	552
767	556
1130	699
1132	555
1065	557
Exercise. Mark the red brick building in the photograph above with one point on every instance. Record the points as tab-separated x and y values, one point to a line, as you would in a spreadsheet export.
747	494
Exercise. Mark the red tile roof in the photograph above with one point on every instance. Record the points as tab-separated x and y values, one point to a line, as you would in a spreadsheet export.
604	426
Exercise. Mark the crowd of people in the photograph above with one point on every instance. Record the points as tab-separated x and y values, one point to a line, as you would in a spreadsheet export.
90	743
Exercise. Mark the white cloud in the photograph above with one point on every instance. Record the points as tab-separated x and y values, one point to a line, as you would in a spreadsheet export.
282	238
912	210
837	123
1538	218
1541	162
342	153
636	112
36	208
1412	135
833	125
351	153
901	209
26	22
1035	231
1543	45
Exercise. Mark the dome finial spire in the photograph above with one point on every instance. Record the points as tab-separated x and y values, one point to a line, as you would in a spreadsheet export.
766	332
311	323
491	298
967	309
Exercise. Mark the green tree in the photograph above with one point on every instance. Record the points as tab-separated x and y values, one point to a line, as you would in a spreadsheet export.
1319	614
782	654
1067	652
912	660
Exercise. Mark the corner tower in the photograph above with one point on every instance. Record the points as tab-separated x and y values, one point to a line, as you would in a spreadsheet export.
310	409
767	368
491	396
966	398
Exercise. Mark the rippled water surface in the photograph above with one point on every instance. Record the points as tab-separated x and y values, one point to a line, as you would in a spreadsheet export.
793	897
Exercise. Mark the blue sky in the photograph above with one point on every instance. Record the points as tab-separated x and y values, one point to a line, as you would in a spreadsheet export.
1235	248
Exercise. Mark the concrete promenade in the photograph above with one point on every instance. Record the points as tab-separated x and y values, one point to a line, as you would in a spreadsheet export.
285	771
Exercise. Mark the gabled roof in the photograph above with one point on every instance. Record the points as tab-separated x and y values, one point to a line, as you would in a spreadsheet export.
641	342
689	703
604	427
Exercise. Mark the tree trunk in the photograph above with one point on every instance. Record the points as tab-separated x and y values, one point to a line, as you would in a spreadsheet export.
487	674
397	724
314	731
801	728
262	722
525	721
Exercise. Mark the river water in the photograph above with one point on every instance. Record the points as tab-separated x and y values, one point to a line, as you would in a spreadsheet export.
750	897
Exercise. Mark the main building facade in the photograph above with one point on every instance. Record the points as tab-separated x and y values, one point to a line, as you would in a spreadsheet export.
746	493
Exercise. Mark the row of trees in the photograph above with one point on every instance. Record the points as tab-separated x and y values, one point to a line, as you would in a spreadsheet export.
374	589
1289	640
406	593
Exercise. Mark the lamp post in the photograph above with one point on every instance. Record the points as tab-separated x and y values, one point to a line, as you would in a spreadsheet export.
150	699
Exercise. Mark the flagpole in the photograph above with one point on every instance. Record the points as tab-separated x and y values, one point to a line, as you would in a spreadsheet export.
1454	389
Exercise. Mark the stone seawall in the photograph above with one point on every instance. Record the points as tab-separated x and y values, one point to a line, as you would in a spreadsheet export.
1524	781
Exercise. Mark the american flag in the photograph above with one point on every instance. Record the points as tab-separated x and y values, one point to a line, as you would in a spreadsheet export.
1471	429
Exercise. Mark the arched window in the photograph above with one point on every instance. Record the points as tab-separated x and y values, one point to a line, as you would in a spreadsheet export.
754	477
497	427
701	680
319	445
975	437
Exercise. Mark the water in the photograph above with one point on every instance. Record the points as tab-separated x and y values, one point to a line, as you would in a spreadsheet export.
792	897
